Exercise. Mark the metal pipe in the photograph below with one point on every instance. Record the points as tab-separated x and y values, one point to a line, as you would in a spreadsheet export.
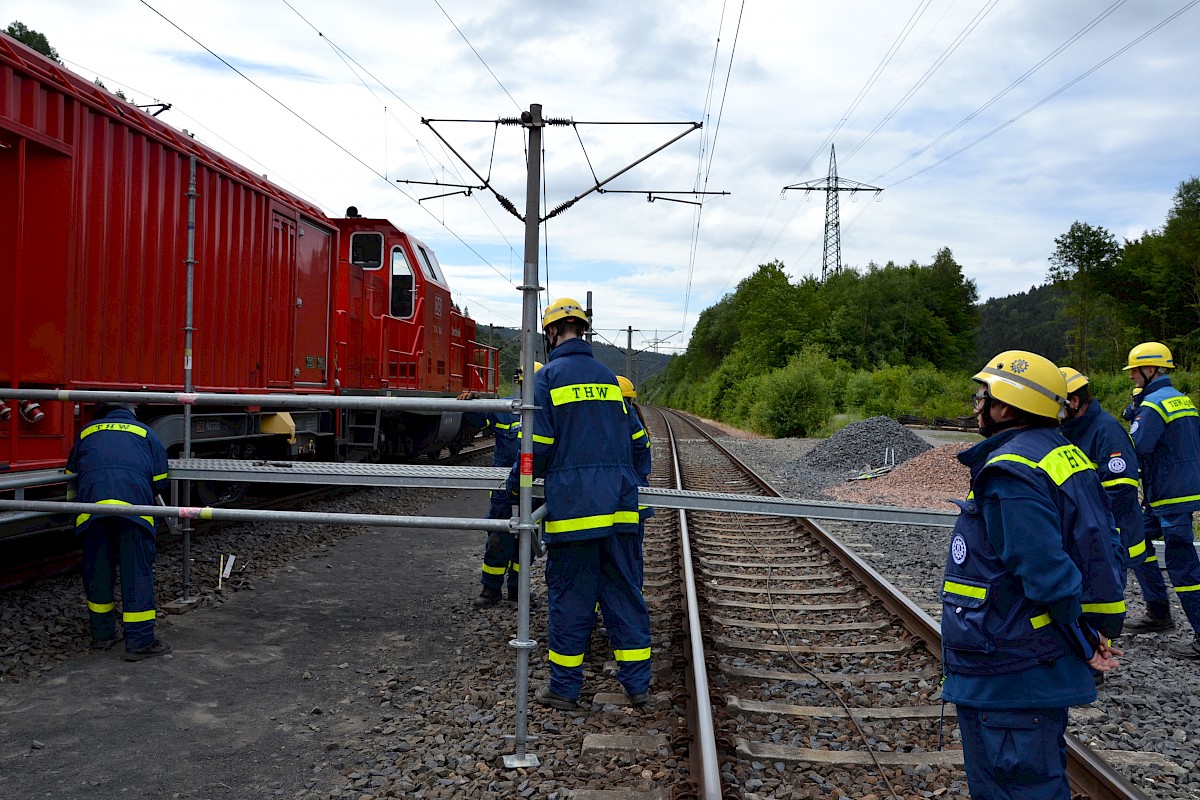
185	487
259	515
267	400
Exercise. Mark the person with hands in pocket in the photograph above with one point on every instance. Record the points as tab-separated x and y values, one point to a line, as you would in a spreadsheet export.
1032	593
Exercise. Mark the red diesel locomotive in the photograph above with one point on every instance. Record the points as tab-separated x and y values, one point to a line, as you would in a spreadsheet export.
93	249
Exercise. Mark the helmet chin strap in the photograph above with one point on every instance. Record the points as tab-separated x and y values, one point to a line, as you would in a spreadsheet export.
989	428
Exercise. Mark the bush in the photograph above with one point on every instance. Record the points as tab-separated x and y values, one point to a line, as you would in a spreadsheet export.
796	400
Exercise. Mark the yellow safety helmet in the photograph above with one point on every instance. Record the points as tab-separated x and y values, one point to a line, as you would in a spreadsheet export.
1150	354
536	366
1026	381
1136	391
565	308
1075	379
627	390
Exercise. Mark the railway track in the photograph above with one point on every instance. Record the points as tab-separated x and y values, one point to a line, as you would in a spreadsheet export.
820	676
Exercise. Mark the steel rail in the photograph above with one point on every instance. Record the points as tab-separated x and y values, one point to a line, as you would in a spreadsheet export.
1086	770
703	730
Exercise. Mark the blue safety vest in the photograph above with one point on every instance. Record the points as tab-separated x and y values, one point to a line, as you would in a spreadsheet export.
1166	433
582	435
118	461
1108	446
989	624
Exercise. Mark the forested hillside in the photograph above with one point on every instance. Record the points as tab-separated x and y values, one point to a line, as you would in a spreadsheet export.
788	358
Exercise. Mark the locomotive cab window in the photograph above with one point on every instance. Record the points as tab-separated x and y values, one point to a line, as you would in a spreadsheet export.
402	284
366	250
430	266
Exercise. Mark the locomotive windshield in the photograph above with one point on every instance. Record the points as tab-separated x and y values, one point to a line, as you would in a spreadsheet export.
402	284
366	250
431	269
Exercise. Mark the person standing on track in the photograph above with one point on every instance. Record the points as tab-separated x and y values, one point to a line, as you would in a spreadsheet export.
1166	434
119	461
1106	442
1032	591
581	446
500	550
642	464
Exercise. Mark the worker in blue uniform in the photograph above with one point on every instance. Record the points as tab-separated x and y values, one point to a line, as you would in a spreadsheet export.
1107	444
500	550
582	437
119	461
1166	434
642	464
1032	593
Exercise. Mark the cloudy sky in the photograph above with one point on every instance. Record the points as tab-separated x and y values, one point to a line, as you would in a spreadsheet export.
990	125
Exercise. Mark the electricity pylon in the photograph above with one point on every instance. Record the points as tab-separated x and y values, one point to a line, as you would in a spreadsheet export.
831	185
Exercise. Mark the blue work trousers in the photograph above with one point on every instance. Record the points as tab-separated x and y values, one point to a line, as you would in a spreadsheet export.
108	541
1015	754
580	574
500	551
1183	566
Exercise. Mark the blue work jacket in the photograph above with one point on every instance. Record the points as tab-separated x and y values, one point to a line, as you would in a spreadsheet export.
582	436
1106	443
506	428
642	462
1032	549
118	460
1166	434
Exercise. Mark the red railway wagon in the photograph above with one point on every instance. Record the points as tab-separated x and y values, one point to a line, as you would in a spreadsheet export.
93	243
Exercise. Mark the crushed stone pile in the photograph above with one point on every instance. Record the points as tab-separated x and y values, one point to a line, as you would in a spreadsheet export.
929	480
863	446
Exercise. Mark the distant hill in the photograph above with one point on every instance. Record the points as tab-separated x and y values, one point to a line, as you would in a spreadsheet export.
645	363
1024	321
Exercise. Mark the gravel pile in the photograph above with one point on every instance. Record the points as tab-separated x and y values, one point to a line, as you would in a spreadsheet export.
925	481
865	445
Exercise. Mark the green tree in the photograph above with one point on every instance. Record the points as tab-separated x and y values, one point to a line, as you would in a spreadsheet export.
33	39
1083	260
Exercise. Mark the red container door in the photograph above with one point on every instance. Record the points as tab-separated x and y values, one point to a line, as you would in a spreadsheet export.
314	270
280	301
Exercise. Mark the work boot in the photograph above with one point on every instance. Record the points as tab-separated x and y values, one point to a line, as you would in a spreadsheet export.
1186	649
1149	624
549	698
155	648
638	700
488	597
106	644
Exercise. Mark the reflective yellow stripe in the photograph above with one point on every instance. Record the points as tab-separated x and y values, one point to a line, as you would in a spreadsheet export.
1151	558
978	592
642	654
627	516
1060	463
158	478
581	523
514	566
123	427
504	425
1195	587
1040	621
1172	500
565	661
1118	482
82	518
1137	549
543	439
100	608
138	616
1104	608
70	494
584	392
493	570
639	435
